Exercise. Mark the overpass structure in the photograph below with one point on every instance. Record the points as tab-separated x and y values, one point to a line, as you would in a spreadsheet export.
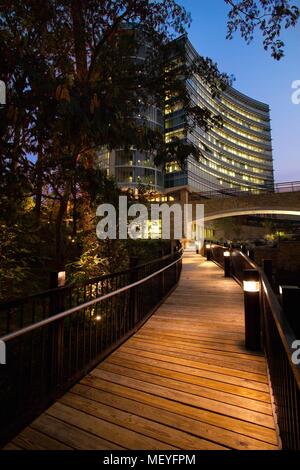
284	200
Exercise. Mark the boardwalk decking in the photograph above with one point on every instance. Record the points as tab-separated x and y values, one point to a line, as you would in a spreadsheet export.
183	381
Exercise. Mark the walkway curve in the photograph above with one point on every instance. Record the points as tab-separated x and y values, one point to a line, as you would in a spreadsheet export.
183	381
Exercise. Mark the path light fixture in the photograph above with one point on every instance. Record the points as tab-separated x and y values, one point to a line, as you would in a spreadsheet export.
251	286
227	263
208	251
61	278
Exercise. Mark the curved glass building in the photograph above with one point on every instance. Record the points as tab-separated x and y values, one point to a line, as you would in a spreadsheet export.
237	156
234	157
132	168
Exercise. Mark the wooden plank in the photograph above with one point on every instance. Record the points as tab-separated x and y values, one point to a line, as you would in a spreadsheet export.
131	421
195	389
190	335
174	420
190	360
202	415
234	350
71	435
173	364
184	381
101	428
11	446
185	374
209	352
188	398
31	439
205	357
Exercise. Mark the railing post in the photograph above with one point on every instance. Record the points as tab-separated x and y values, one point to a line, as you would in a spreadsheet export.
290	301
134	290
268	269
251	255
56	353
251	286
163	284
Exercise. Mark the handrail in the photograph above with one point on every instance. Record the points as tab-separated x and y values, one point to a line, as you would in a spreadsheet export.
70	311
15	302
47	356
276	188
19	313
277	339
285	331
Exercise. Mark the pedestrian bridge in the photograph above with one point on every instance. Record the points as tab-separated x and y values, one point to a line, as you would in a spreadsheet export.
150	358
286	201
182	381
287	204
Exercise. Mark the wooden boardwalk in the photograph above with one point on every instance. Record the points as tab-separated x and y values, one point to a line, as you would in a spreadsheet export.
183	381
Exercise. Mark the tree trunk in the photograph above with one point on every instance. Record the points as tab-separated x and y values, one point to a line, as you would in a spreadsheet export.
75	215
79	39
39	187
59	255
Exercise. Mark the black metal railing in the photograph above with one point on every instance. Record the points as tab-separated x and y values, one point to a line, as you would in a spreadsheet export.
217	254
237	192
51	353
24	311
278	339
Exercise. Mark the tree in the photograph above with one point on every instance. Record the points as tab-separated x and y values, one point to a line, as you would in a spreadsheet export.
72	87
269	16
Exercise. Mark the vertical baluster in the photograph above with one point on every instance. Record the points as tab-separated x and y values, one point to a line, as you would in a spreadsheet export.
8	320
97	308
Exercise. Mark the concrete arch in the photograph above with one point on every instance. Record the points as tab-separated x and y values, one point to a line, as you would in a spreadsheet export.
248	211
285	204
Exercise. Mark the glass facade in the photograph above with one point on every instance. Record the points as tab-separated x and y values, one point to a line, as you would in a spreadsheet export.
133	168
237	156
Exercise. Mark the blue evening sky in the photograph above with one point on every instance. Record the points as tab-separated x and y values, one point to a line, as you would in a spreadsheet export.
257	74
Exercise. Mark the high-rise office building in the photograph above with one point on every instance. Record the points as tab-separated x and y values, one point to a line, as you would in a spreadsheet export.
132	168
236	156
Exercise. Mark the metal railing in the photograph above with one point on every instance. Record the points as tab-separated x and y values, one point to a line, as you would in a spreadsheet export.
236	192
46	357
24	311
277	339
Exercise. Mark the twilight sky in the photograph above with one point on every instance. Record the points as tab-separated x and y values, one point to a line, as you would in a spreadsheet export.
257	74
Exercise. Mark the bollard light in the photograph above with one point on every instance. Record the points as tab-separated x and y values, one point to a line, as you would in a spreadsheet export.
227	263
251	282
208	251
61	278
251	286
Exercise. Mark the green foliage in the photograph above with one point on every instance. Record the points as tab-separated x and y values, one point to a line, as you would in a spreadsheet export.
72	89
269	16
229	226
144	251
23	257
98	257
